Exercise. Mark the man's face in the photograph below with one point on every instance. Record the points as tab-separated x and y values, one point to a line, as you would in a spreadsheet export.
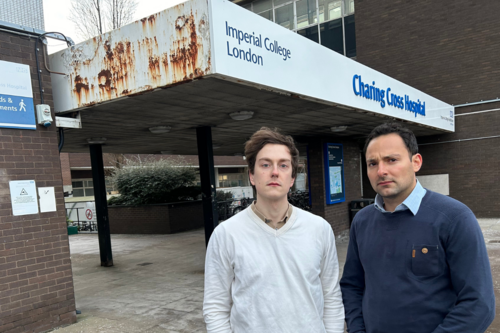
390	170
272	175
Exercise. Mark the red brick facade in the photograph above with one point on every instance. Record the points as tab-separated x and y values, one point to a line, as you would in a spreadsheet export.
36	283
65	168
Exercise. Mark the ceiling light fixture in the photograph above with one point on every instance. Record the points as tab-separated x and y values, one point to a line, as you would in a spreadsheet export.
338	128
96	141
241	115
160	129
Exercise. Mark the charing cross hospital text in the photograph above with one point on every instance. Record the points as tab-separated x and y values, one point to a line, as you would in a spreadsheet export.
257	41
379	95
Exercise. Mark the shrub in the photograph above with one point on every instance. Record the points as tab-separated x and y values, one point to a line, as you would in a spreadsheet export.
154	180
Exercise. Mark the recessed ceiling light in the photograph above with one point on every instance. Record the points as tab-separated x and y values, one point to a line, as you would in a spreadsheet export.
338	128
241	115
96	141
160	129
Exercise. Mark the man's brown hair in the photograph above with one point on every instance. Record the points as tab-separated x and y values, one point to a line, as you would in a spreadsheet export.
266	136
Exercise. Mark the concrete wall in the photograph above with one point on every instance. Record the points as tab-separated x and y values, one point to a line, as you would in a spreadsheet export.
156	219
36	282
450	51
337	214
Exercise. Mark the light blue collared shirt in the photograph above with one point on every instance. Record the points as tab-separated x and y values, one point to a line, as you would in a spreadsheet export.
412	202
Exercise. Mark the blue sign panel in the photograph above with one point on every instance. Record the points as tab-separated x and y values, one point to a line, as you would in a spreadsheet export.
334	173
16	96
17	112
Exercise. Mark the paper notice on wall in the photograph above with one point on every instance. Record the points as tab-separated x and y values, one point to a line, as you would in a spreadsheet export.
23	197
47	199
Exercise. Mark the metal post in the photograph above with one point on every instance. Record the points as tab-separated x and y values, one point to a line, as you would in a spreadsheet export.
207	177
101	205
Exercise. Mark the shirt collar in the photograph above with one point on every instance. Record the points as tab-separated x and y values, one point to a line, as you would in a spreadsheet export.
412	202
266	220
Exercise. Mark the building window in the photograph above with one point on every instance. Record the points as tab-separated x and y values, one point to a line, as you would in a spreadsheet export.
85	187
284	16
311	33
350	37
332	35
328	22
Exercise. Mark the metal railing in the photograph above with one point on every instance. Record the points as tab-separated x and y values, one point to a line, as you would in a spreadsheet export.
79	218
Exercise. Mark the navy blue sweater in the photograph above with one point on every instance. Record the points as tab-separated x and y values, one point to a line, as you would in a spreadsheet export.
424	273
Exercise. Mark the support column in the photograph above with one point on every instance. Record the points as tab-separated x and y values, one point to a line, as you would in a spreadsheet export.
207	177
101	205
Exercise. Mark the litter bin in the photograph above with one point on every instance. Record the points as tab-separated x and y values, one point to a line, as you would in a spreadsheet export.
72	230
356	205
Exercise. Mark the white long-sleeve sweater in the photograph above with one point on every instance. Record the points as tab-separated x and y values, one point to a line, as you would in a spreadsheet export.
262	280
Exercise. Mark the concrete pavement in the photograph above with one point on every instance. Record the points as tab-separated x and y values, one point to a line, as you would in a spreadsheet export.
156	284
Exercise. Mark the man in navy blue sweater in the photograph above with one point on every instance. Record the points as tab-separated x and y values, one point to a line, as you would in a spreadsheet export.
416	260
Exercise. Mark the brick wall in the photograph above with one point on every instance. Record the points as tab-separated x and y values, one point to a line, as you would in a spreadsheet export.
156	219
450	51
65	168
36	283
337	214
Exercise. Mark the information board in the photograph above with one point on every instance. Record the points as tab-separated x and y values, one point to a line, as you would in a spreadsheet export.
16	96
334	173
23	197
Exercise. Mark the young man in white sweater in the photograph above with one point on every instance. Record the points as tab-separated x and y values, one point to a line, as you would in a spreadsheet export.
272	268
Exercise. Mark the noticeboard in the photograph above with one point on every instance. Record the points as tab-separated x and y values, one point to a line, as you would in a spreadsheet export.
16	96
334	173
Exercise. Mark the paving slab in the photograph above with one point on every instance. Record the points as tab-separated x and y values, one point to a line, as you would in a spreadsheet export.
156	284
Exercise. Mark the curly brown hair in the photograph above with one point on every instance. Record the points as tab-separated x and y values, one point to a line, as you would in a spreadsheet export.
266	136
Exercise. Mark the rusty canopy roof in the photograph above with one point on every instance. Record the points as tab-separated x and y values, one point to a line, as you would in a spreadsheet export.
171	69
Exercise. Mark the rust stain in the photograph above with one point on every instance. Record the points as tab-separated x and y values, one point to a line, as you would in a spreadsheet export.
180	22
80	84
157	62
184	55
104	78
107	49
81	88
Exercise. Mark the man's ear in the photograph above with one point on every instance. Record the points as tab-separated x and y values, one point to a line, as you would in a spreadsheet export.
416	160
250	176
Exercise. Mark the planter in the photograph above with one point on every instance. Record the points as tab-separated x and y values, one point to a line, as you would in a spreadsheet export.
156	219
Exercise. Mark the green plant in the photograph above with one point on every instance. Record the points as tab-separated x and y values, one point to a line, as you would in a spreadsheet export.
154	180
223	196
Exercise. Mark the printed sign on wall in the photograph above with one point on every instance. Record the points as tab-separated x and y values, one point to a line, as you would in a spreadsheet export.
23	197
16	96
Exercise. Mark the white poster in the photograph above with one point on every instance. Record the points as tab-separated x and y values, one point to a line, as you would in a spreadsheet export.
23	197
47	199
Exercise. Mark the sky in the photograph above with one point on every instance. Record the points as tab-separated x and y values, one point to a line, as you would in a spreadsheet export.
57	11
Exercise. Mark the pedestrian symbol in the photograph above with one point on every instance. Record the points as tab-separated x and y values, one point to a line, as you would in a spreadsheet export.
22	106
23	192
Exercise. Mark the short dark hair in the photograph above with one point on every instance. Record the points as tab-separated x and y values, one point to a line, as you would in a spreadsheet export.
266	136
388	128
